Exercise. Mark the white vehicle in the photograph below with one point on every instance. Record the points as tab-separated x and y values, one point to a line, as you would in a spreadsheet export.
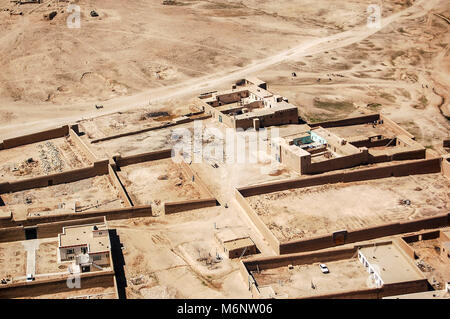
324	268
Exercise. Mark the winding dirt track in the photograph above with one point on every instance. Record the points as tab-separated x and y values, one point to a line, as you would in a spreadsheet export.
211	81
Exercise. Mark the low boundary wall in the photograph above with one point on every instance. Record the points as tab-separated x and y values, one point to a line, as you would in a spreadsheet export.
140	158
112	214
197	180
99	168
427	166
35	137
348	121
397	129
82	145
102	139
365	234
182	206
446	166
57	285
407	287
117	183
169	207
327	241
274	243
44	230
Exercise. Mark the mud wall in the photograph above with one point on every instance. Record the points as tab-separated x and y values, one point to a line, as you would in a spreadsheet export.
99	168
407	287
113	214
407	249
422	236
107	138
348	121
12	234
82	146
187	169
327	241
370	293
115	181
368	143
428	166
262	228
140	158
337	163
103	279
394	127
366	234
49	230
409	154
177	207
44	230
35	137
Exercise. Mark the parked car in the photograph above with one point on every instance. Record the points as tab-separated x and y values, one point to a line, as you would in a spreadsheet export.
324	268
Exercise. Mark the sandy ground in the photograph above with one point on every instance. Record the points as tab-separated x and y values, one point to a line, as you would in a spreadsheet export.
348	274
313	211
157	182
13	260
183	244
139	143
46	259
434	267
48	157
308	29
401	71
92	194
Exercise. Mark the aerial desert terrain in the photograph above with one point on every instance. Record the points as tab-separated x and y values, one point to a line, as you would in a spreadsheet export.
136	71
147	52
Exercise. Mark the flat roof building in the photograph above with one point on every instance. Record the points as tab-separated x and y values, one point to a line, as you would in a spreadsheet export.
85	245
388	264
248	104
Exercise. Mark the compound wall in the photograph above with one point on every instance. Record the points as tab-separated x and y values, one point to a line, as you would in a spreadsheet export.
82	145
327	241
140	158
102	279
428	166
115	181
349	121
182	206
259	224
99	168
35	137
363	234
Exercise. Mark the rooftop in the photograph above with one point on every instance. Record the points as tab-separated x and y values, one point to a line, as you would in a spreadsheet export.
83	236
391	263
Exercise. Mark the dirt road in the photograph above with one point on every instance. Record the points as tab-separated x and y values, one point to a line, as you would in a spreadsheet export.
212	81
